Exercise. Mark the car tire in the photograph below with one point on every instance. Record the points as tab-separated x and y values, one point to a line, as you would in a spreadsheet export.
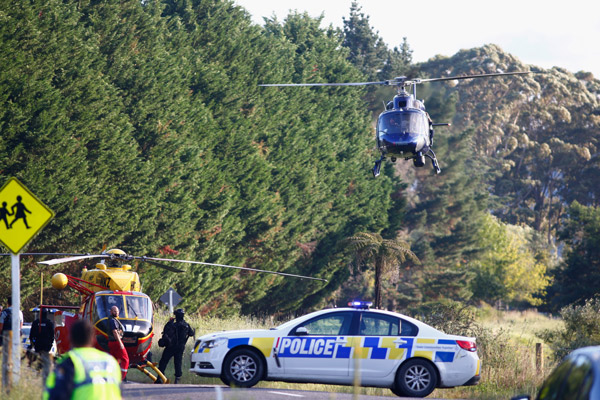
242	368
416	378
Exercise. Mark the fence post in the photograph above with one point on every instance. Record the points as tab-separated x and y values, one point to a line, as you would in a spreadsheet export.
539	358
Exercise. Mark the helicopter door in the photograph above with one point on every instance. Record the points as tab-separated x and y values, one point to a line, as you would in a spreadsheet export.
87	309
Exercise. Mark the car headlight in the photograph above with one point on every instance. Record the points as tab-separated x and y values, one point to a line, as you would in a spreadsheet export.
212	343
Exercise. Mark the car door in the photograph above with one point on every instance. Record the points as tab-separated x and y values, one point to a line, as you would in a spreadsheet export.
384	341
572	379
317	347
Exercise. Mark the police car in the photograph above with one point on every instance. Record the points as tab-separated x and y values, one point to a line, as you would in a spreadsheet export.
342	346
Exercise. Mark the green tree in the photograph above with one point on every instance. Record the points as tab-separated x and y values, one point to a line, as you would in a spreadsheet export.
447	209
368	52
537	131
508	269
371	55
386	255
577	278
581	328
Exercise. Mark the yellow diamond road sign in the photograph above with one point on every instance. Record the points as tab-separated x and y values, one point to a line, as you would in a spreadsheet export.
22	215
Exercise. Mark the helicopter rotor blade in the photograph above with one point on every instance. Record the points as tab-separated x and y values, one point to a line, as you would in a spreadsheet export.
398	81
46	254
69	259
326	84
452	78
163	266
234	267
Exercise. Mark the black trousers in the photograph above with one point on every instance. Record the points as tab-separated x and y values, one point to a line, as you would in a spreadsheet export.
177	353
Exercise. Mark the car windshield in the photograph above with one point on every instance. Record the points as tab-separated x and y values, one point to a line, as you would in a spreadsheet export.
294	321
403	122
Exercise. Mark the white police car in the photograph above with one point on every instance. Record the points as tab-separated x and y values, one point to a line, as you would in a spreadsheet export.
338	346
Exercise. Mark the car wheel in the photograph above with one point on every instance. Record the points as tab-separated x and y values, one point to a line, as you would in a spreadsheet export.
242	368
416	378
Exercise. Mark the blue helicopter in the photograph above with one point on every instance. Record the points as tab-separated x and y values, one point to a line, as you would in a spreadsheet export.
404	129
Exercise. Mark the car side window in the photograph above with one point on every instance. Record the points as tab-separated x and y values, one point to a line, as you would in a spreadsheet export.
375	324
333	324
372	324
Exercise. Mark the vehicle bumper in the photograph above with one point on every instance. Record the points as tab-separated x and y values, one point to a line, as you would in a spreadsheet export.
473	381
207	362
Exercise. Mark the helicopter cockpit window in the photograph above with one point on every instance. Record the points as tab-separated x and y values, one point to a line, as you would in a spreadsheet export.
104	304
139	307
403	122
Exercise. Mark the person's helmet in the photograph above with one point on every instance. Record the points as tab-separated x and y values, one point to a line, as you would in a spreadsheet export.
179	312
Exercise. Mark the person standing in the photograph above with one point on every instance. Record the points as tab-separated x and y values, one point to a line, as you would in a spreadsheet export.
175	335
115	342
6	329
84	372
41	337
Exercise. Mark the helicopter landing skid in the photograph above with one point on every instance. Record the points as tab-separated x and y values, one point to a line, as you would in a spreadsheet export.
434	161
377	167
159	378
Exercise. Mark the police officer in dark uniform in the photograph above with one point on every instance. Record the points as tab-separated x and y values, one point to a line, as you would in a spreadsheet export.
41	337
175	335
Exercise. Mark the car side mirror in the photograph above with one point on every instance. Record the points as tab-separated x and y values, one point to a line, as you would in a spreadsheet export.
301	331
521	397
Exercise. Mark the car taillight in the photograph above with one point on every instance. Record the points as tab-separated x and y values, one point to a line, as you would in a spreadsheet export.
467	345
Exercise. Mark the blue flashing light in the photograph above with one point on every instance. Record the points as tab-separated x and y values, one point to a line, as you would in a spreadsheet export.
361	305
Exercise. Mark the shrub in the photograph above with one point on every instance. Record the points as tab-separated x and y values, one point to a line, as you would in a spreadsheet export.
448	316
581	328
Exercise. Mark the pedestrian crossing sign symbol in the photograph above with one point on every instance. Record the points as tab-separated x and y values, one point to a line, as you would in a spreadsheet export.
22	215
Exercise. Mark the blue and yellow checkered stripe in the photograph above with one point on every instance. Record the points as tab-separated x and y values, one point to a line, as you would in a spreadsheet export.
367	348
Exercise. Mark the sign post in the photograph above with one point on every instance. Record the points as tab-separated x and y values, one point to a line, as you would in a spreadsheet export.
22	216
171	298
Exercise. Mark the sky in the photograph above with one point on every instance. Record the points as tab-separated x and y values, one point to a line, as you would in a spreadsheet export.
543	33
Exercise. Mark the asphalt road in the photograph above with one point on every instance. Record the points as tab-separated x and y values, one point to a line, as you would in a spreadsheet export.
214	392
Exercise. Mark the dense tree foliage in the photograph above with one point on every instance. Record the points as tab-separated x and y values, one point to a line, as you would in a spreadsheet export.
507	269
142	125
578	278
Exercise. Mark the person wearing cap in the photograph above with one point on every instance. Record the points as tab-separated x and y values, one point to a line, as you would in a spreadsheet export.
174	336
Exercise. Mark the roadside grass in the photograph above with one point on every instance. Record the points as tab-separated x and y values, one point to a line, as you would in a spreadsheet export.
506	348
30	385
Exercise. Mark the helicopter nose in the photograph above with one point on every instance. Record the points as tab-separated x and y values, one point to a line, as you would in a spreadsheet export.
401	144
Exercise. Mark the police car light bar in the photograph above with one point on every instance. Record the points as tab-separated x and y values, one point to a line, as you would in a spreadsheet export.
361	305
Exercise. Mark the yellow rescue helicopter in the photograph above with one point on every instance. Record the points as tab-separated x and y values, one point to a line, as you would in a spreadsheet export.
112	282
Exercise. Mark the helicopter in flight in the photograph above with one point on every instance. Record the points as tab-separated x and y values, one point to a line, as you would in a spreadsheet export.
112	282
404	129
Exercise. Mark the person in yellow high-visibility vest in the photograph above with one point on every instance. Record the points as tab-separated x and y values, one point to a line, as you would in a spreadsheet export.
84	372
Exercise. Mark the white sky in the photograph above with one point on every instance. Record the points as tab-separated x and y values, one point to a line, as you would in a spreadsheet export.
544	33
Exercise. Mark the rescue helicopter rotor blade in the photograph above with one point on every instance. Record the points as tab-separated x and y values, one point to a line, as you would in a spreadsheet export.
452	78
69	259
163	266
235	267
46	254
